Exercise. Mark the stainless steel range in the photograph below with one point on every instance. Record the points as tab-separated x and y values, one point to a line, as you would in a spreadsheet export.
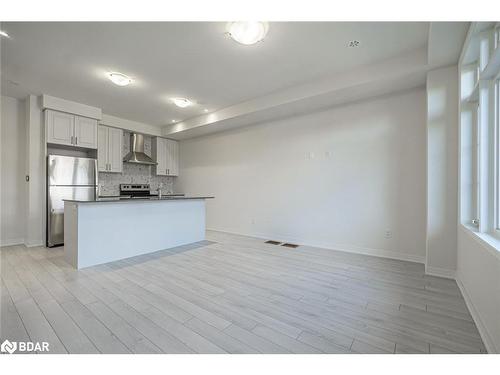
141	191
135	191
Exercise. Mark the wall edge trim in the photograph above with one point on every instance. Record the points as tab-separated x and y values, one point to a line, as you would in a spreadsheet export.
476	316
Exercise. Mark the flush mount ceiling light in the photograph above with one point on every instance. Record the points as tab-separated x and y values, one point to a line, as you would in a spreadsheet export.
353	43
247	33
119	79
182	102
4	34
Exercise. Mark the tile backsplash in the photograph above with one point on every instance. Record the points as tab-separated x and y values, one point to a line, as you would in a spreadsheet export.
133	173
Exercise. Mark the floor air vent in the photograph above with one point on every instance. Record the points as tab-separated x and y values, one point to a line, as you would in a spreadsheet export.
292	245
271	242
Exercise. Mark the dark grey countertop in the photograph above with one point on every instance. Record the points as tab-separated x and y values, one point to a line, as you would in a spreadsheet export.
116	199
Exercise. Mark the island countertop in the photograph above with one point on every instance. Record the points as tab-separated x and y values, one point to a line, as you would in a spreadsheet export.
108	229
137	200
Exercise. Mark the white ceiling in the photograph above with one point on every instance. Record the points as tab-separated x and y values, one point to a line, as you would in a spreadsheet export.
191	59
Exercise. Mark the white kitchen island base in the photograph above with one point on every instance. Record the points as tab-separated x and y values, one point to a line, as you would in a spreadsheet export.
99	232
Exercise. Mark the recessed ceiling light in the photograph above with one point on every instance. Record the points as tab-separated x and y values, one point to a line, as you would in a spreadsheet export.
247	32
119	79
205	110
182	102
174	121
353	43
4	33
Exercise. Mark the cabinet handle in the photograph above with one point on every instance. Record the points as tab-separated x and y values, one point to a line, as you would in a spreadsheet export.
72	140
76	140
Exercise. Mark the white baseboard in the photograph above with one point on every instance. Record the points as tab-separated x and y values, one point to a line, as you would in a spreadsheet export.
440	272
12	242
487	340
34	244
329	246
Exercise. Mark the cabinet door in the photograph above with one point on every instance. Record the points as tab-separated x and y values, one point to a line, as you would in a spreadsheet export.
115	148
60	127
85	132
176	159
172	157
102	149
160	155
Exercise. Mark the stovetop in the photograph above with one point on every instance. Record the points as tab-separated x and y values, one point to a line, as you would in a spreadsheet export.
139	191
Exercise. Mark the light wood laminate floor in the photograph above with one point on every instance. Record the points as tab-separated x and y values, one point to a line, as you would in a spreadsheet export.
232	294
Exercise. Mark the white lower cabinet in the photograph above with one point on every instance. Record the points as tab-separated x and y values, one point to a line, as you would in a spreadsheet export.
70	130
109	150
166	153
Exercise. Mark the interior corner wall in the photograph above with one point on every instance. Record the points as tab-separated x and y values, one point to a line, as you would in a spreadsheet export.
35	167
442	171
349	178
13	151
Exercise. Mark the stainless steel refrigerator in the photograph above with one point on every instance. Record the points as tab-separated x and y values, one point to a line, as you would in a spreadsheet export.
67	178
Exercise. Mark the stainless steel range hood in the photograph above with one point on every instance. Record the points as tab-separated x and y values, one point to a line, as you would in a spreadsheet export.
136	154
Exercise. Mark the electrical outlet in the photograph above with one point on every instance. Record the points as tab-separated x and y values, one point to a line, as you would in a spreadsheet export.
388	234
310	155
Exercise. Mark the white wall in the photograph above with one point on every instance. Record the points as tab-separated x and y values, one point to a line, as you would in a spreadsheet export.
336	179
13	186
442	171
478	275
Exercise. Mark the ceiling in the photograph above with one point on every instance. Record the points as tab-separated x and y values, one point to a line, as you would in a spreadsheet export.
188	59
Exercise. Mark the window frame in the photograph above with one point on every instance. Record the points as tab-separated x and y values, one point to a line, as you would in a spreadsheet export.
496	113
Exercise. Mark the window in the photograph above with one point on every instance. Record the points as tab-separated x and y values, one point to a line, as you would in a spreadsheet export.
497	153
475	155
480	132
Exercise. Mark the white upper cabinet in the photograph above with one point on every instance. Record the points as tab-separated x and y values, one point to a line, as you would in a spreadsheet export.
172	157
102	149
115	149
85	132
166	153
60	127
71	130
109	150
159	155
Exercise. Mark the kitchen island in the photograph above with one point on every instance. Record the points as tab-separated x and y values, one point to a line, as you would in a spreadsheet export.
105	230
